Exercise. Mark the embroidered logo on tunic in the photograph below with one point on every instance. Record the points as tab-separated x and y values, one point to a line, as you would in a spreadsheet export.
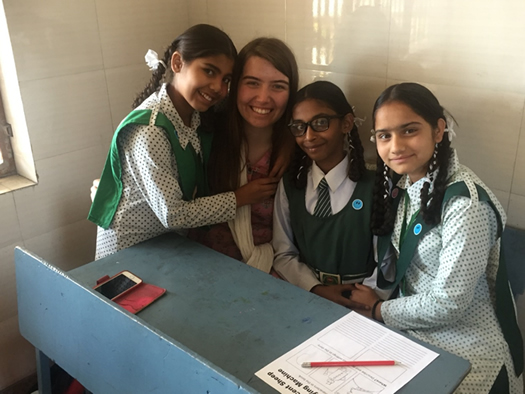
357	204
417	229
395	192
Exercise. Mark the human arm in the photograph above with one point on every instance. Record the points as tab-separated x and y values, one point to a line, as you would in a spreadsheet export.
462	249
152	175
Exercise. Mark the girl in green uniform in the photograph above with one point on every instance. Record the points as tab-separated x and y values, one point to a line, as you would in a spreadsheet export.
154	179
322	236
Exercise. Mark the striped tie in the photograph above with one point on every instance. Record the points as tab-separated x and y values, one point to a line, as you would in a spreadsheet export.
323	208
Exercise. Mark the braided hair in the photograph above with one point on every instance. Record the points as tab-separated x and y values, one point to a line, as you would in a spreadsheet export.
425	104
198	41
331	95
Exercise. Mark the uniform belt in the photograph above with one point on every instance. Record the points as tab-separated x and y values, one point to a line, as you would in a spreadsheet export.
335	279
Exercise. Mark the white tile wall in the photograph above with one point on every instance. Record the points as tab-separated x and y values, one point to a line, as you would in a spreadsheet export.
61	246
66	113
123	85
339	36
54	37
62	195
245	20
128	28
458	42
488	131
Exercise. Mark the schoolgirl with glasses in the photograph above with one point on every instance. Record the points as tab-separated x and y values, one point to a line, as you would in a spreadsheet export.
322	237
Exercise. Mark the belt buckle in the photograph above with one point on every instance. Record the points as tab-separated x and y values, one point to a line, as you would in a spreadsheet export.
329	279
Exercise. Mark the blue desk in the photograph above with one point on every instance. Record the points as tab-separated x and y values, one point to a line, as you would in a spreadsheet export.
218	323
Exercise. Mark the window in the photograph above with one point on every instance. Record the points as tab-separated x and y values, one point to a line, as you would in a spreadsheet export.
7	161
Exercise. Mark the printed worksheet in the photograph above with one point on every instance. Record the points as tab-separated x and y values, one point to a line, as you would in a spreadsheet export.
353	337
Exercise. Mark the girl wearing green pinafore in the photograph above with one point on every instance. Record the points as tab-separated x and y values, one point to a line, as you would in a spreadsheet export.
154	179
439	229
322	237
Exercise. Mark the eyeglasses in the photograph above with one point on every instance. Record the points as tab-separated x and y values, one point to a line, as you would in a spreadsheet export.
322	123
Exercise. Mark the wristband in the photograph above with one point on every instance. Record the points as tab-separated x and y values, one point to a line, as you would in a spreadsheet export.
374	309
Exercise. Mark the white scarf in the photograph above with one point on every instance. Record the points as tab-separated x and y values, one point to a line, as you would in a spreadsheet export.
260	256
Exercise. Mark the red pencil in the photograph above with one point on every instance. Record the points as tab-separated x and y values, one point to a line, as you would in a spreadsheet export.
363	363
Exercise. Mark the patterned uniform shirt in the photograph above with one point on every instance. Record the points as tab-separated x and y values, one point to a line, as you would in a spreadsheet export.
151	202
447	298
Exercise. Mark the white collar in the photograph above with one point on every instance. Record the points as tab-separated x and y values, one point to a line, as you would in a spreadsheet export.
334	177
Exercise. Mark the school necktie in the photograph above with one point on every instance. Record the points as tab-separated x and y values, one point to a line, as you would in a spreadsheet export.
323	207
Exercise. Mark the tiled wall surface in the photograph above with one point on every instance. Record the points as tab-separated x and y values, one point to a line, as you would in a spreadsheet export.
80	63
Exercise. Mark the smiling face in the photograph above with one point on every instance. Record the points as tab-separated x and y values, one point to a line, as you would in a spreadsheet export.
199	84
326	148
262	94
405	141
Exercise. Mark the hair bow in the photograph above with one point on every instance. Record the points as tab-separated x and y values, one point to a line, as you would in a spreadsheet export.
152	60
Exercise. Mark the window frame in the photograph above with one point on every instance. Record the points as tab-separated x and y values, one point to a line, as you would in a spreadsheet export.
8	166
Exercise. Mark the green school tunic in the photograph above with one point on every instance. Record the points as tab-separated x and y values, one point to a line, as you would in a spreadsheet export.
191	167
340	244
416	229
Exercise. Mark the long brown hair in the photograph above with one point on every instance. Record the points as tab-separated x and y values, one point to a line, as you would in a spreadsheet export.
229	136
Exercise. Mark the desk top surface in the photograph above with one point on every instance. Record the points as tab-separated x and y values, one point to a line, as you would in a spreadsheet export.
238	318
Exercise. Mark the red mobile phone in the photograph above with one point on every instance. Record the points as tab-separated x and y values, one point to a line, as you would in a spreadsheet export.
118	285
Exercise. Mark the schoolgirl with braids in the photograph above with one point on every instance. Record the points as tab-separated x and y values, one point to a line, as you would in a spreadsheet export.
322	238
155	177
440	229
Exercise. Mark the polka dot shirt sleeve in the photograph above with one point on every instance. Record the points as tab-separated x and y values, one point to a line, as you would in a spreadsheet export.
467	235
147	154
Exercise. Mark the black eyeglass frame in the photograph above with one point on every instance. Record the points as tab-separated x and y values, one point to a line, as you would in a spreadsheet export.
311	124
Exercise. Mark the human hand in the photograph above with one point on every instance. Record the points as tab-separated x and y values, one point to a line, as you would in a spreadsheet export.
335	293
256	191
94	188
366	296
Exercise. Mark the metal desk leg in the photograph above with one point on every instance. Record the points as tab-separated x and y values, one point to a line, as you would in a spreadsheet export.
43	369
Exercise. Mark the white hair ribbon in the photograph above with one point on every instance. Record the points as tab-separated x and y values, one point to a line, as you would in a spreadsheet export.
373	137
152	60
450	126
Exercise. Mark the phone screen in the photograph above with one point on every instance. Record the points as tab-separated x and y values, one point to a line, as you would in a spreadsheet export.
115	286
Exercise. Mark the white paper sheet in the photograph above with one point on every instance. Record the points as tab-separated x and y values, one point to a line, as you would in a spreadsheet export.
353	337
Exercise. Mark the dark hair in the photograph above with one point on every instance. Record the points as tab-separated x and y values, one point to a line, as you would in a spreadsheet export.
224	162
331	95
198	41
425	104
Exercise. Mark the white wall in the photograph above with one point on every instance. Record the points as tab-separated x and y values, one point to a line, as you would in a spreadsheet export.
80	64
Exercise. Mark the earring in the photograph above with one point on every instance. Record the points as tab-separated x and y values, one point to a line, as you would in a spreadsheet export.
386	182
348	143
